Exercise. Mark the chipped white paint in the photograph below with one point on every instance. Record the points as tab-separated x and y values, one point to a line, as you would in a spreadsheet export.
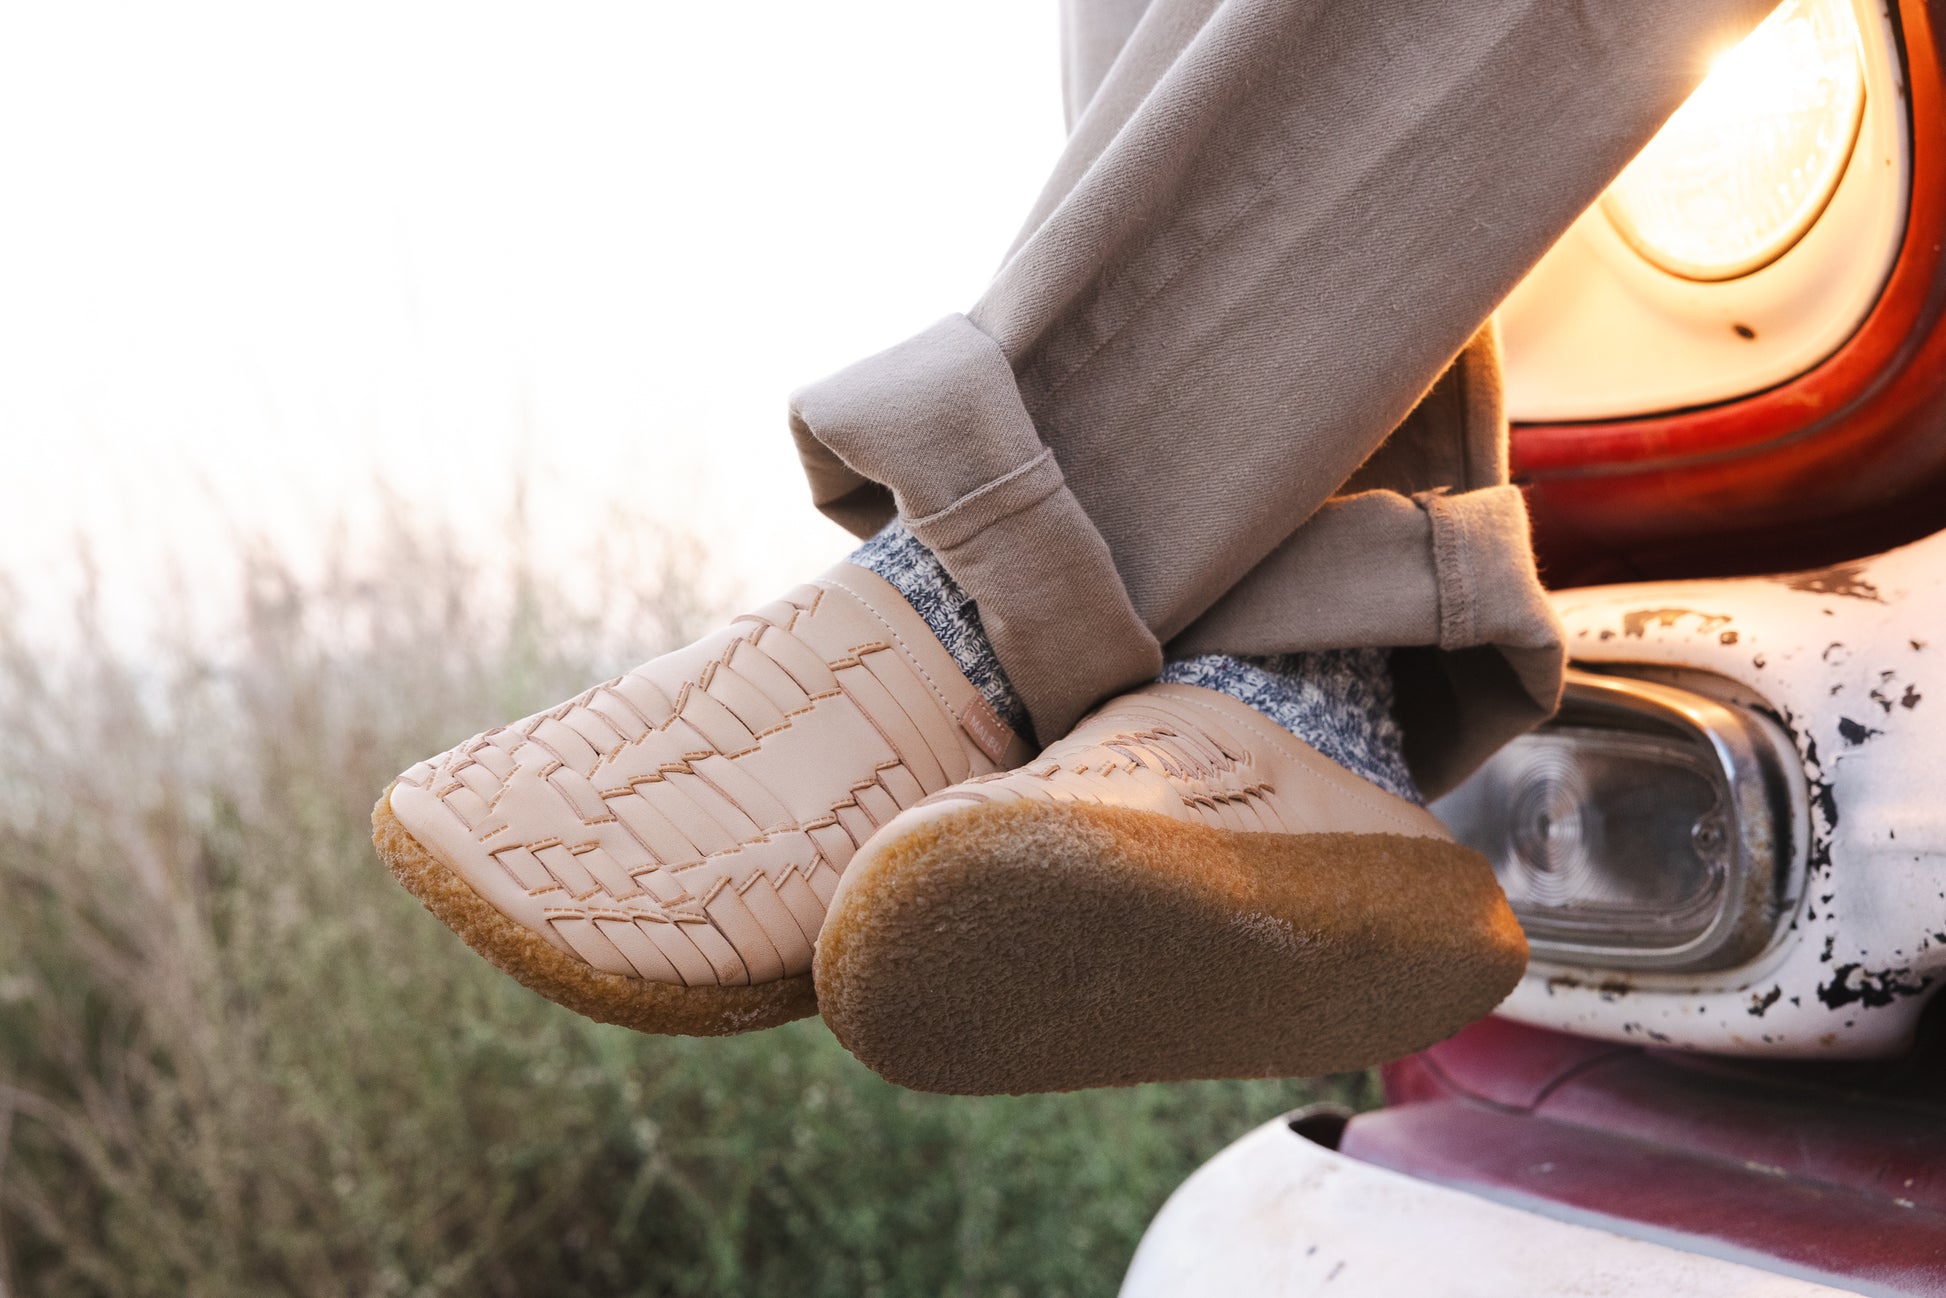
1852	661
1276	1214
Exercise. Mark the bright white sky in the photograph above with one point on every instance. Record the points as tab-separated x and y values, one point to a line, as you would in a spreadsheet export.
254	256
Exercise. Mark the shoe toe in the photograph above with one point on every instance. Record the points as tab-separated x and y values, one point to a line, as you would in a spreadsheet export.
684	826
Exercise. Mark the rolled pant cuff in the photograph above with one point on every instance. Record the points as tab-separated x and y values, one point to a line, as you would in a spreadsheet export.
935	430
1445	579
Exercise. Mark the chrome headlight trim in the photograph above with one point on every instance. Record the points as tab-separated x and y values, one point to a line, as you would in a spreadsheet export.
1759	777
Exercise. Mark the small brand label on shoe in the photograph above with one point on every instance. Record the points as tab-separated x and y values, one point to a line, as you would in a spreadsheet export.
988	731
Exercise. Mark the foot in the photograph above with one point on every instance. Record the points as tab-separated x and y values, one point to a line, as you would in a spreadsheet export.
1179	889
659	851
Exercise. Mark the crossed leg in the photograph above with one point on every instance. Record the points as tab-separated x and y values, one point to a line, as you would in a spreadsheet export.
1227	417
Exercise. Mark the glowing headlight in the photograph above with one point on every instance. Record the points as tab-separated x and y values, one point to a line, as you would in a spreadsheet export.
1646	827
1747	164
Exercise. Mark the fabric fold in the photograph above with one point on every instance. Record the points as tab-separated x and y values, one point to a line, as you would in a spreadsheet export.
1202	402
1446	579
934	430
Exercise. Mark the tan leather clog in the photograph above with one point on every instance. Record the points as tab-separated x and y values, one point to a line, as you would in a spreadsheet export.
659	850
1179	889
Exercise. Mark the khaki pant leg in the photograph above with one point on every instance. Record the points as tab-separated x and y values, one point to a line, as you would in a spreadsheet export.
1276	224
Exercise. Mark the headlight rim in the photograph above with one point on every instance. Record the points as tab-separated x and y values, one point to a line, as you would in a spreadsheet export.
1761	769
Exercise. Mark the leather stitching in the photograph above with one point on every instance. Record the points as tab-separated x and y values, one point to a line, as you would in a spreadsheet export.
550	786
911	657
1280	740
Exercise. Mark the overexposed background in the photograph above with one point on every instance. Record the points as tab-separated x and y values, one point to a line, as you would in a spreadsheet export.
256	258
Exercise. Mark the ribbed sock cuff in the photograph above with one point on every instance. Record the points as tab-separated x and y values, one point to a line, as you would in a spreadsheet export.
1339	701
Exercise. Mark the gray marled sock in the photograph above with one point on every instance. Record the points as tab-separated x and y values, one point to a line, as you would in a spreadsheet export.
949	612
1339	701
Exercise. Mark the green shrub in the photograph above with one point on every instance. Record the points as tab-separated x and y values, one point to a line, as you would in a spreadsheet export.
236	1059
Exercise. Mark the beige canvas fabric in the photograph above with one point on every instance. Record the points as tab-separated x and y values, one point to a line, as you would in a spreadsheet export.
1187	412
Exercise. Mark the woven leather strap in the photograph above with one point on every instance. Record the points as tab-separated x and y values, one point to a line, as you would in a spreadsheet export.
688	821
1193	754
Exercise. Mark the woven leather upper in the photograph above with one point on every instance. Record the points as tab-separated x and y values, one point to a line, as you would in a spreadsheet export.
1196	755
688	822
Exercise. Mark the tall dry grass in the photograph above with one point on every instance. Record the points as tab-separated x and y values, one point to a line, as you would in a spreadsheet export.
235	1059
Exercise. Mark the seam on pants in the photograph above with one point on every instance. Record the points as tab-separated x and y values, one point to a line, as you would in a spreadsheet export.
987	488
1452	570
1248	204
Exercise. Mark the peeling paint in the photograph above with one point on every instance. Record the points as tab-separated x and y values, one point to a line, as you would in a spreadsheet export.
1826	668
1886	695
1844	579
1854	733
1872	987
1637	621
1823	797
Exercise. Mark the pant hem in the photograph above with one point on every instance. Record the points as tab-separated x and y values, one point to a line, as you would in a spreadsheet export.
935	429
